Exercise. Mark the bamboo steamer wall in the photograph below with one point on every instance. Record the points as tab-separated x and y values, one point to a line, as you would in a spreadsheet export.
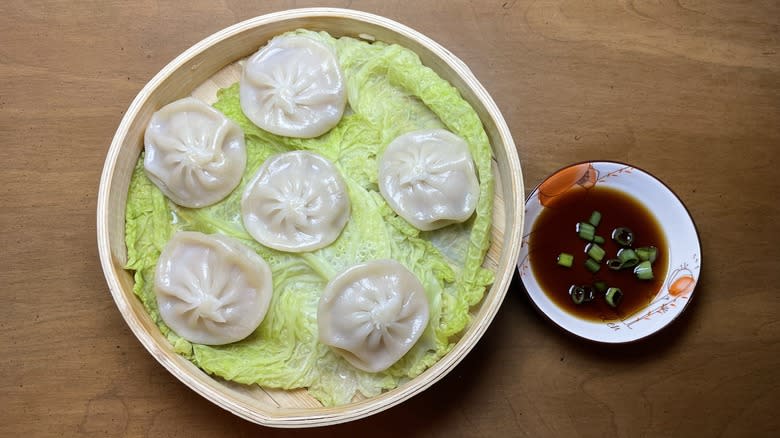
214	63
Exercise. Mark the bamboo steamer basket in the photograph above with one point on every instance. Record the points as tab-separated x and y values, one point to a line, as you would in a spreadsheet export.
214	63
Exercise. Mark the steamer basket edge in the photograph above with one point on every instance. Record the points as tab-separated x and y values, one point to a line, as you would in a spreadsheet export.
198	64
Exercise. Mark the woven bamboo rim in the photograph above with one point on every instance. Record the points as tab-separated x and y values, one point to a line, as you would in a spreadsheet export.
213	63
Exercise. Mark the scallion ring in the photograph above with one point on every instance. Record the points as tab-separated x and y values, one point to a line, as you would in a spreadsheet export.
595	218
592	266
647	253
613	296
565	259
594	251
590	293
644	271
577	294
586	231
627	257
623	236
614	264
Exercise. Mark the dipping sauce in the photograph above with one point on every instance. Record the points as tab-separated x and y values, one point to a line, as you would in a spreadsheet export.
553	233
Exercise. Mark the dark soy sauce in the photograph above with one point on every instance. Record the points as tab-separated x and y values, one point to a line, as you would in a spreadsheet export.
554	232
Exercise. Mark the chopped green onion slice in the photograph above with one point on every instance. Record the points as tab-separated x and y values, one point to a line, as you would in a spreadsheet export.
595	252
586	231
577	294
647	253
581	294
627	257
613	296
595	218
592	265
565	259
614	264
644	271
589	292
600	286
623	236
598	239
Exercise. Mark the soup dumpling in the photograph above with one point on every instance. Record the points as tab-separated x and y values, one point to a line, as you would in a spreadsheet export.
194	154
211	289
293	87
372	314
297	201
428	178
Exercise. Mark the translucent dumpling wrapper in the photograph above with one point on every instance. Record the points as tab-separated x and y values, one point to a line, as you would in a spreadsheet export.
193	153
293	87
372	314
428	178
211	289
297	201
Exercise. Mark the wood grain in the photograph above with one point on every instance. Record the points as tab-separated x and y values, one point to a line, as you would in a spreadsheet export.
688	90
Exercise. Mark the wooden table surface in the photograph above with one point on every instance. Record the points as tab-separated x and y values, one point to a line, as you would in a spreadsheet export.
688	90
